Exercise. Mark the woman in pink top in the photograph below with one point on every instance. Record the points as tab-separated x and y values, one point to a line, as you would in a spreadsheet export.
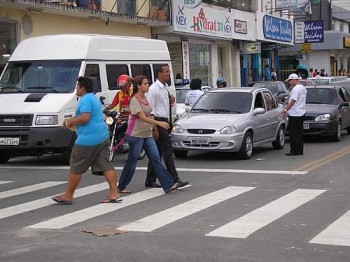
139	135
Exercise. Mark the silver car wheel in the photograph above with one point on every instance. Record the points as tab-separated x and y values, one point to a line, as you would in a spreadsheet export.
249	146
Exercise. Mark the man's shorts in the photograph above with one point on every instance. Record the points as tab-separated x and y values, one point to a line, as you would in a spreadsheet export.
95	157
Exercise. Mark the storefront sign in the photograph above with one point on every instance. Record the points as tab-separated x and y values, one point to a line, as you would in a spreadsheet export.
309	32
268	46
251	48
285	4
346	42
201	20
185	60
277	29
240	26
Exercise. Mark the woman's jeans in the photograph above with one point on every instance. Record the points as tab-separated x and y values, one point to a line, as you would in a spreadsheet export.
135	146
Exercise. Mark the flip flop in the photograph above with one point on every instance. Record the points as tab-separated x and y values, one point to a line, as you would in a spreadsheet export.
109	200
61	201
124	191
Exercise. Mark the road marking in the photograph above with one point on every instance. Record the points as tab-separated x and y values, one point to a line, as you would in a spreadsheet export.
5	182
27	189
98	210
324	160
337	233
47	201
175	213
202	170
257	219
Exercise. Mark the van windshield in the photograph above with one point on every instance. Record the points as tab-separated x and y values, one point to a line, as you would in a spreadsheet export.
40	77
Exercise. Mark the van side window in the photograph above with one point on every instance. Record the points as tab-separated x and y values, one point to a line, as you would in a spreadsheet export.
113	72
144	69
93	71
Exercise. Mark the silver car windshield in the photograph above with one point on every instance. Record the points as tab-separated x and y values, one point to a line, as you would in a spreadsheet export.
40	77
225	102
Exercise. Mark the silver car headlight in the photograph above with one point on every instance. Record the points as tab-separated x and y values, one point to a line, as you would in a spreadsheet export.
228	130
323	117
46	120
109	120
177	129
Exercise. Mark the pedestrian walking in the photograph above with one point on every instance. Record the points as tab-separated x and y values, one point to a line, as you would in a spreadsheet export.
139	135
296	112
91	146
161	102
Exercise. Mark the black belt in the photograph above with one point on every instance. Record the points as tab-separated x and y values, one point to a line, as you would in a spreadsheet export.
161	118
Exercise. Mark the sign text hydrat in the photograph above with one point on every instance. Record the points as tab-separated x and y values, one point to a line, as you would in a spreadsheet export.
201	20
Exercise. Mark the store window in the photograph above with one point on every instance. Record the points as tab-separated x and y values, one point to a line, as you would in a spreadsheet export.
200	62
8	42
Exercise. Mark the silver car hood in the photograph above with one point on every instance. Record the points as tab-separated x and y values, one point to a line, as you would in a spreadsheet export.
208	120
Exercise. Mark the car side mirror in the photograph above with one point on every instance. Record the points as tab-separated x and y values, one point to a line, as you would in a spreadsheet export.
258	111
345	104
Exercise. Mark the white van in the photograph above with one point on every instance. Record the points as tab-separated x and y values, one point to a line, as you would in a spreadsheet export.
37	86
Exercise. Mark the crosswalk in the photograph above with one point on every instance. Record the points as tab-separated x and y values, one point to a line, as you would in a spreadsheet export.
245	226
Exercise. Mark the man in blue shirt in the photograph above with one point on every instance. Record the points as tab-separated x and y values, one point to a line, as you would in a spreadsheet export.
91	146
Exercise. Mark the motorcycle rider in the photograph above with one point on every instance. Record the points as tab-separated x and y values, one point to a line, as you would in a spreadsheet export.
122	98
121	104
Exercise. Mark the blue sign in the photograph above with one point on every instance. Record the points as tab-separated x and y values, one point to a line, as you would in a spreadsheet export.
277	29
313	32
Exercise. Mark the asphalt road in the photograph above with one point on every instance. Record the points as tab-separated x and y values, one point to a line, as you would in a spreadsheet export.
269	208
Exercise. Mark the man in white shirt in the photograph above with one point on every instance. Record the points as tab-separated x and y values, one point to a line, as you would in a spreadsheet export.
159	98
296	112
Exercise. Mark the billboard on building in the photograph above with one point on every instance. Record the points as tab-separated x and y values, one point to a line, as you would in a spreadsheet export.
309	32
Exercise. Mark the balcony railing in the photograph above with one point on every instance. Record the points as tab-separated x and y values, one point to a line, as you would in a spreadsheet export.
146	14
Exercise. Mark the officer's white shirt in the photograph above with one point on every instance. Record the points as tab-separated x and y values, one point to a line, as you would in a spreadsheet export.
158	98
298	94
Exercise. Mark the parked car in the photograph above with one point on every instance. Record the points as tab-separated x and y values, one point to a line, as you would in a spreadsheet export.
181	108
327	111
344	83
231	120
307	82
277	88
326	80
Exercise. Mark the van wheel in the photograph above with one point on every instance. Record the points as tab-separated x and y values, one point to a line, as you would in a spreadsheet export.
67	152
348	130
278	144
247	146
4	158
180	153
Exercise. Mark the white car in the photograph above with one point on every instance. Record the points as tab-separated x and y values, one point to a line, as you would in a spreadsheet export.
181	108
326	80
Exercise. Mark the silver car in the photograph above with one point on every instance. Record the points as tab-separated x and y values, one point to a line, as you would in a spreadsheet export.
231	120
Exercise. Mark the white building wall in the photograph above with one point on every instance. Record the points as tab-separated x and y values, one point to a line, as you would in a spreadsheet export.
318	60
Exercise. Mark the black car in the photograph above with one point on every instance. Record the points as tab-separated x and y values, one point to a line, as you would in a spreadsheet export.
327	111
277	88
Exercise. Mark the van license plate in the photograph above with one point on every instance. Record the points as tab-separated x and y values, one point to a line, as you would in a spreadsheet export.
199	141
9	141
306	126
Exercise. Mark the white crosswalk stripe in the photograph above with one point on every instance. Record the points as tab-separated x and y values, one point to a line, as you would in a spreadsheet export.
98	210
255	220
337	233
170	215
28	189
47	201
5	182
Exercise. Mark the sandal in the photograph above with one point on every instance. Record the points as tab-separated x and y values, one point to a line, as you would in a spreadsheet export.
124	191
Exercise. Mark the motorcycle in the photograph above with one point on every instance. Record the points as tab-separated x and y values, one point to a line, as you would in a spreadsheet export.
117	128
